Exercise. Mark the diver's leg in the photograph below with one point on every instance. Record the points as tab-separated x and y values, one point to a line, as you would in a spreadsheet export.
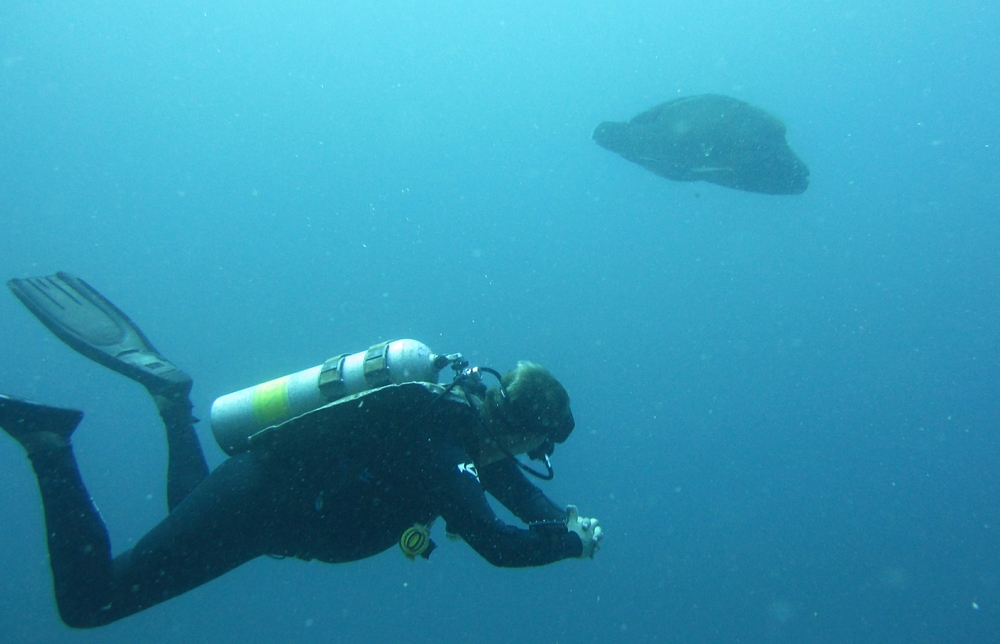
226	521
79	549
186	466
221	525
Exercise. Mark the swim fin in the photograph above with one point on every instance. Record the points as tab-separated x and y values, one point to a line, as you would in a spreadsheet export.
86	321
21	418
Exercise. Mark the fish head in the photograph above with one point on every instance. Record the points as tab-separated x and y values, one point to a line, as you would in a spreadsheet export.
611	135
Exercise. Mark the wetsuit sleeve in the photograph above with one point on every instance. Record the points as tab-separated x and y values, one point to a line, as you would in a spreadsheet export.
469	515
505	481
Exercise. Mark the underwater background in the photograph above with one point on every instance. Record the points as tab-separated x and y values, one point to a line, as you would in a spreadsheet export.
787	407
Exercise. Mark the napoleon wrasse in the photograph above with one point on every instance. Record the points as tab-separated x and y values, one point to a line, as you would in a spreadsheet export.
711	138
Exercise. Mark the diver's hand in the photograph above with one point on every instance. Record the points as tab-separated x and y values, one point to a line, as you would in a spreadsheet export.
589	531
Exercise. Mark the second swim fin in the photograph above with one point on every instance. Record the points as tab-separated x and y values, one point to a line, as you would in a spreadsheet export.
89	323
20	418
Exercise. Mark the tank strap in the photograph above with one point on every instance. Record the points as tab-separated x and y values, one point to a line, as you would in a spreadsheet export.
376	366
331	378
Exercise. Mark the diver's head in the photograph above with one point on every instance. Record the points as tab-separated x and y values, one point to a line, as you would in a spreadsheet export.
529	410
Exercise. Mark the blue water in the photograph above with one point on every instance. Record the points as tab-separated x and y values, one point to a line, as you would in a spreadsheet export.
786	406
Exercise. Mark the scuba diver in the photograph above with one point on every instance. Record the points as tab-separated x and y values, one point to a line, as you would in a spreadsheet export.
381	452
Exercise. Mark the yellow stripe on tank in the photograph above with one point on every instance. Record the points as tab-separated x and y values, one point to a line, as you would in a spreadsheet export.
270	402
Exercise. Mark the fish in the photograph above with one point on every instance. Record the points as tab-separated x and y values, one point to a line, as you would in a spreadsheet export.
713	138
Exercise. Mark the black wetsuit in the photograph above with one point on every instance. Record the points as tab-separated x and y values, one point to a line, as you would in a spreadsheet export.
334	501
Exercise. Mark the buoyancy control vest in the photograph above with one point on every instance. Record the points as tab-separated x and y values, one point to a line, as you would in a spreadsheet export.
386	414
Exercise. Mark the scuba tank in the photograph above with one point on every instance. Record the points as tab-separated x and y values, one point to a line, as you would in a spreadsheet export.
241	414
